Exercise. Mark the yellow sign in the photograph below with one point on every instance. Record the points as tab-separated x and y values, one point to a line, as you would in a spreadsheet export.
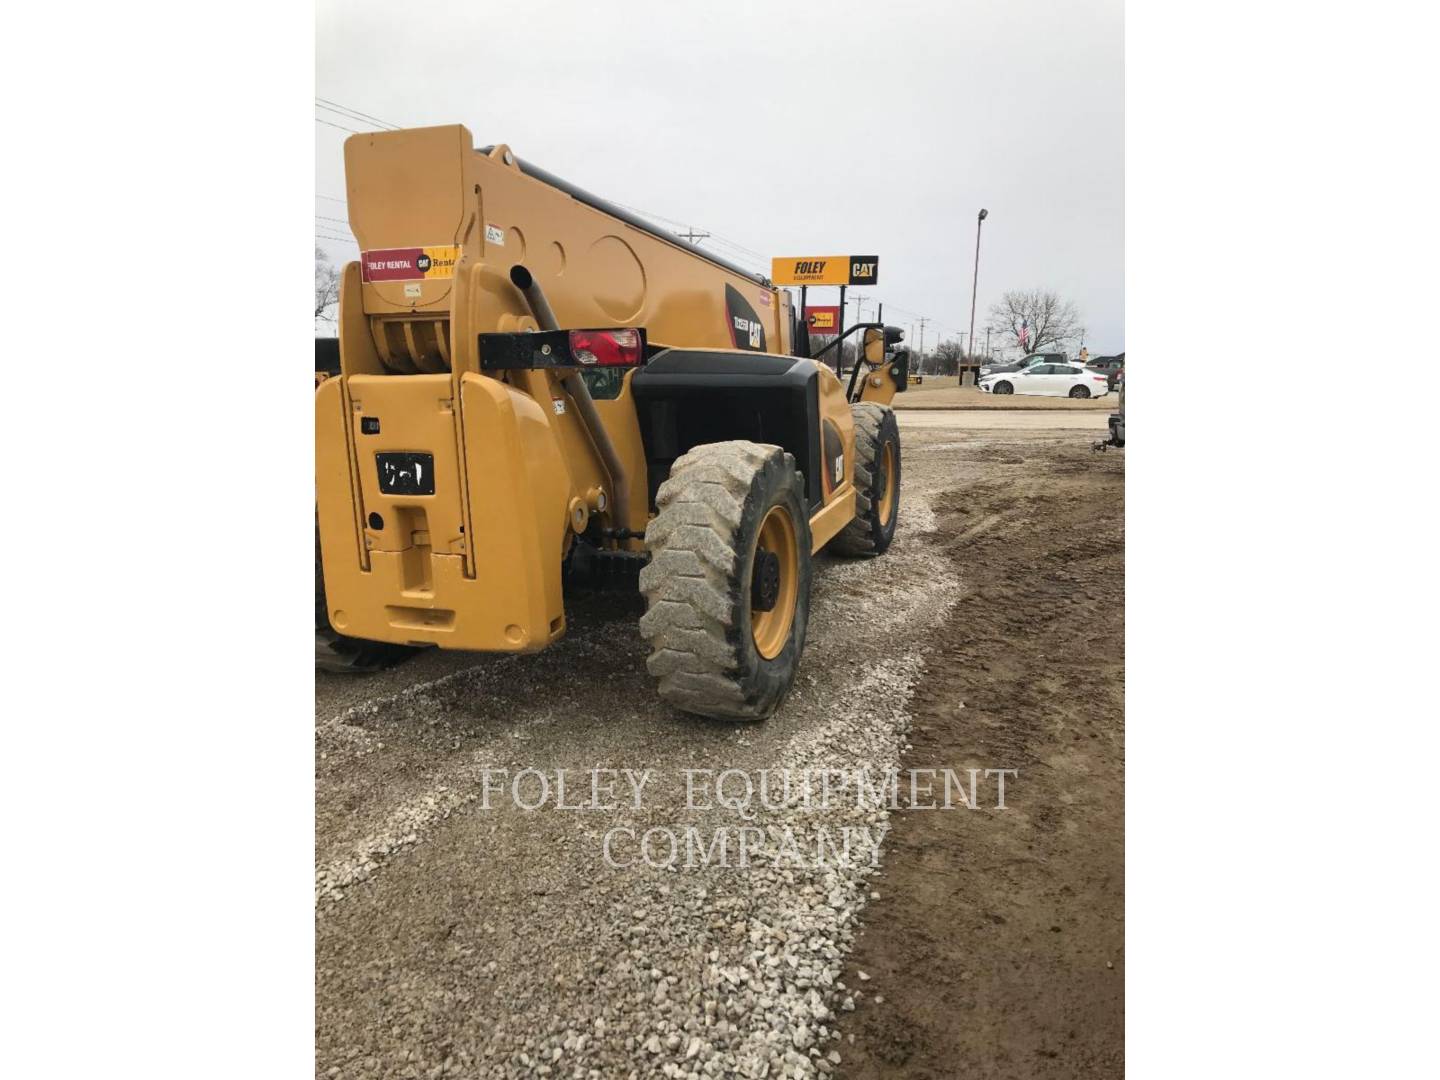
826	270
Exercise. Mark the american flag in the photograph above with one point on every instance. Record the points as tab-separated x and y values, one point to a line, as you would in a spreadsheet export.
1024	332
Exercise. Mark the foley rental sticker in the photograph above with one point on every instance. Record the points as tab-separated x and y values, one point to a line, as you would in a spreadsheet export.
409	264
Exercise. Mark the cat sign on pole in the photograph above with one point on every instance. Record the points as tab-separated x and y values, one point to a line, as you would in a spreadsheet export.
841	270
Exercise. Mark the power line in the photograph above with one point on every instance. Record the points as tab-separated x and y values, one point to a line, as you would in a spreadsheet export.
352	114
683	230
716	238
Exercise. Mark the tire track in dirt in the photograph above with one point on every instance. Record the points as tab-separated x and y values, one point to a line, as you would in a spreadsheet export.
996	945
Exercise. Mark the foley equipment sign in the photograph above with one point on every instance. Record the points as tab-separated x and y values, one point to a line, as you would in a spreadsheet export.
826	270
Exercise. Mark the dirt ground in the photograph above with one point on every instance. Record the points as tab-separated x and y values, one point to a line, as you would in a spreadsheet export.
459	938
997	942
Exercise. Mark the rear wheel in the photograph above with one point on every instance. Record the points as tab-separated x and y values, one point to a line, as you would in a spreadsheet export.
727	589
877	483
1003	388
1079	391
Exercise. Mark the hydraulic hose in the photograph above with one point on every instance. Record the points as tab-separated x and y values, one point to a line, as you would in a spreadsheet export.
575	386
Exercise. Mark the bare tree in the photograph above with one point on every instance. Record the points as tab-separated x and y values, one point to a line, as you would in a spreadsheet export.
947	357
327	287
1048	319
818	342
846	350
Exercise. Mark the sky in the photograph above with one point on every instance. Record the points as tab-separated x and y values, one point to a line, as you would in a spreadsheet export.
783	129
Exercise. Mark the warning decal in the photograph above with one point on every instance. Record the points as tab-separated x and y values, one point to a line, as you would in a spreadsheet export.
409	264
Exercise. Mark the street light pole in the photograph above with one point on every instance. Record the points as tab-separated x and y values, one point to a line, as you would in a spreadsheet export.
974	284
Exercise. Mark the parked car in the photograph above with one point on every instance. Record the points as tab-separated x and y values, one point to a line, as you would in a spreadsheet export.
1049	380
1111	365
1029	361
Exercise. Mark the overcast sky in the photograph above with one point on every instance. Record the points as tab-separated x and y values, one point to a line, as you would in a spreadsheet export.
787	129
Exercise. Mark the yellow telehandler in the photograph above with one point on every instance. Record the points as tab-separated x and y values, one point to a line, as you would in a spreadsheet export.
533	386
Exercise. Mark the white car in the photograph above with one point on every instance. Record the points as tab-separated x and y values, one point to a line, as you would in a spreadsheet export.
1049	380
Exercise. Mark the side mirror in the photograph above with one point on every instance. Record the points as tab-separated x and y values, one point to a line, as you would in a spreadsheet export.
874	347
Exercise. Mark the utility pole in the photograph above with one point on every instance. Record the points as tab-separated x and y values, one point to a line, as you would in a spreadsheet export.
693	236
974	283
923	321
987	343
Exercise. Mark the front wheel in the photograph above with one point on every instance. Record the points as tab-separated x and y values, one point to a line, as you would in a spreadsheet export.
727	589
877	483
1003	388
1079	391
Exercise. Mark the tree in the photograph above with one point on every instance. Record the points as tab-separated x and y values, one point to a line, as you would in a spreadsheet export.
818	342
327	287
1050	320
946	357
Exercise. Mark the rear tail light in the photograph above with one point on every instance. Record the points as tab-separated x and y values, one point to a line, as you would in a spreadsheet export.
606	348
1099	378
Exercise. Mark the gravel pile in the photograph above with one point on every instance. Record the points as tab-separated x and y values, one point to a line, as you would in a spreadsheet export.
458	941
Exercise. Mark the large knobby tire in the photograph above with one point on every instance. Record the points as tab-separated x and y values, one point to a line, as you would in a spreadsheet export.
877	483
727	589
336	652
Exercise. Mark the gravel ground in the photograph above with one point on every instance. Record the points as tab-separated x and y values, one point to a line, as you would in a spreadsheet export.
460	935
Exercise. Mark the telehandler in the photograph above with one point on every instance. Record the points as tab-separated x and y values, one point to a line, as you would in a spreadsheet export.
534	385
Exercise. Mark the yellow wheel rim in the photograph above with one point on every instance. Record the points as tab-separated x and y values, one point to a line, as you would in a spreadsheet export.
887	472
771	629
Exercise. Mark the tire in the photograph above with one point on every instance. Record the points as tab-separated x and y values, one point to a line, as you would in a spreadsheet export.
1002	387
1079	392
337	653
716	650
877	483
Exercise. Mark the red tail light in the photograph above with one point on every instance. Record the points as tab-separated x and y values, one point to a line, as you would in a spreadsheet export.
607	348
1099	378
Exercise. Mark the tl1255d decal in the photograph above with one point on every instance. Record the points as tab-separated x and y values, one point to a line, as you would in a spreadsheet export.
746	330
